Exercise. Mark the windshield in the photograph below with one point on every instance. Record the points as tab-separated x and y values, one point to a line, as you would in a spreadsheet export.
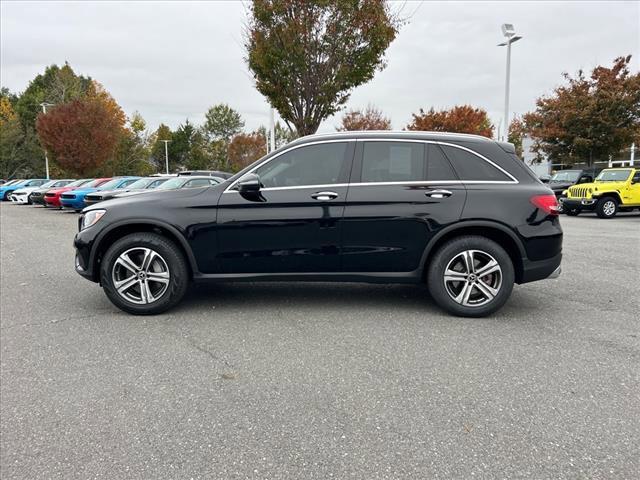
111	184
172	184
93	183
613	175
77	183
142	183
566	176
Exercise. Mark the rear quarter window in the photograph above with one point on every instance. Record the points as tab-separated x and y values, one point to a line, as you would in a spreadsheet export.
471	167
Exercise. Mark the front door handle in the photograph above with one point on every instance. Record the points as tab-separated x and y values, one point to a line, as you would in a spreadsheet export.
324	196
438	193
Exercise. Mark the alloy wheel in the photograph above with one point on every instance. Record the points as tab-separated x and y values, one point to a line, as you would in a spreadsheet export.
473	278
609	208
140	275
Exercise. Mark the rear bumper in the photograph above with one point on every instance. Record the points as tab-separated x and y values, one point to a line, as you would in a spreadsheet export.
541	269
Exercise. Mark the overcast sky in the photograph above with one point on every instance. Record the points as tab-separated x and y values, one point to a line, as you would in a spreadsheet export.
172	60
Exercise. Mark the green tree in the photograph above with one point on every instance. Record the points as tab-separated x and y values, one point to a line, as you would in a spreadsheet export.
588	118
20	151
222	122
307	57
56	85
133	151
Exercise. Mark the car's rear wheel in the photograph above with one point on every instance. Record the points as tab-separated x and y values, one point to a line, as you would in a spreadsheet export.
144	274
471	276
607	207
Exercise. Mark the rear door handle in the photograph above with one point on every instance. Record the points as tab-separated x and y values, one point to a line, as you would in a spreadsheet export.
438	193
324	196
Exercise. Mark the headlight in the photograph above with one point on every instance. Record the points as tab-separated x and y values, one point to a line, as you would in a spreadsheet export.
92	217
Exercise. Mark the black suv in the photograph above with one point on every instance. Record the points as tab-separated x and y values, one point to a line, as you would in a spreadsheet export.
459	212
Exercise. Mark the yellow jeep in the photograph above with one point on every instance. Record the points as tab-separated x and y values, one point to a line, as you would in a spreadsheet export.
614	189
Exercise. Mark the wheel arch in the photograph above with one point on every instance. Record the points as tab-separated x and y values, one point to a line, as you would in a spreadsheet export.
119	230
613	194
492	230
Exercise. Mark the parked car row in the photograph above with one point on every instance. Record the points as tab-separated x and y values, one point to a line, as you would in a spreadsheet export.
78	194
613	190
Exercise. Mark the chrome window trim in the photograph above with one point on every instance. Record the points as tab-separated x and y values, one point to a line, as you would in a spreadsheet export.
513	180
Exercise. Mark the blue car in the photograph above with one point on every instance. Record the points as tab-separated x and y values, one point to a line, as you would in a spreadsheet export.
5	190
74	199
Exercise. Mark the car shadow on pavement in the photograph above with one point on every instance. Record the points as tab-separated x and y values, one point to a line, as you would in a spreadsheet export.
308	295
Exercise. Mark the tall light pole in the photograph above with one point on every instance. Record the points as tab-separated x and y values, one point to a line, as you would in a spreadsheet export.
166	154
511	37
44	106
272	130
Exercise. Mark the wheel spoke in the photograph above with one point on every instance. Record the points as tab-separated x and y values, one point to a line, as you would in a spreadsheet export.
124	285
149	255
453	276
488	291
490	267
160	277
125	261
465	293
468	261
145	292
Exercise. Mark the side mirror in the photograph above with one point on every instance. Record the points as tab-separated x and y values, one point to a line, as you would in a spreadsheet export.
249	183
585	180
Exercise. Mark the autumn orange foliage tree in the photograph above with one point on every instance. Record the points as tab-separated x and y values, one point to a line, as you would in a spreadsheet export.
246	148
459	119
82	135
590	116
369	119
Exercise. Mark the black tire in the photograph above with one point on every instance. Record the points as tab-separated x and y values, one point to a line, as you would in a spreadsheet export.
6	196
172	258
573	212
484	248
607	207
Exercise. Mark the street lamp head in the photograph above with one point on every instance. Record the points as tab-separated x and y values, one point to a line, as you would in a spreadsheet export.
508	30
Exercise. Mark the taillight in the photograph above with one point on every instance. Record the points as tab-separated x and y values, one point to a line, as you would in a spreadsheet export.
547	203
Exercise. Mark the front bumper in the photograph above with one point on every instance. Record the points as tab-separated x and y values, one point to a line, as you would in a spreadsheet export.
37	198
76	204
579	203
20	199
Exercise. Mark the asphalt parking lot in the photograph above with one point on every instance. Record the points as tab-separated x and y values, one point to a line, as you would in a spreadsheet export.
290	380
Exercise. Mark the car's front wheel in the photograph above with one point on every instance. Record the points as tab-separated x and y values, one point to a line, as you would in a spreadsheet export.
471	276
144	274
607	207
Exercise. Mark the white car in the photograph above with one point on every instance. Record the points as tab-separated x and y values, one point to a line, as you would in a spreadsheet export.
21	195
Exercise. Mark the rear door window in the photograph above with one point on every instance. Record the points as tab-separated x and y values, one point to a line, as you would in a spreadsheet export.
438	167
470	167
393	162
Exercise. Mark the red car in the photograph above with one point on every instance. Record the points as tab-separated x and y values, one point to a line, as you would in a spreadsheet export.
52	197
